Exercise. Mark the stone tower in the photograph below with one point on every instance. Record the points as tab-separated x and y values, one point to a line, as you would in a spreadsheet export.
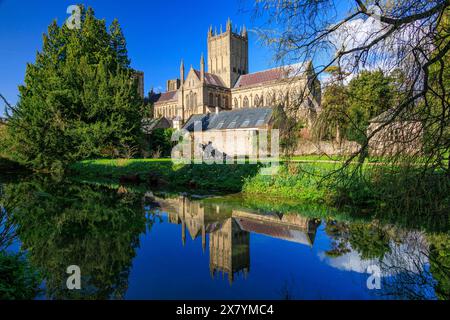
228	53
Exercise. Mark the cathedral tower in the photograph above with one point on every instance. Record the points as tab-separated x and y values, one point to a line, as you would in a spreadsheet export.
228	54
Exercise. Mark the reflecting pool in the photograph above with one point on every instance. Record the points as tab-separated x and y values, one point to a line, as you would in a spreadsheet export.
134	243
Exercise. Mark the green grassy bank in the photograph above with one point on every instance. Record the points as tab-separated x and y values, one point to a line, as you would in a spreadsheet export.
372	188
209	178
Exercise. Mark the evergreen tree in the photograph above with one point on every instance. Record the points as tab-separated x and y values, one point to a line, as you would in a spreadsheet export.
78	101
118	44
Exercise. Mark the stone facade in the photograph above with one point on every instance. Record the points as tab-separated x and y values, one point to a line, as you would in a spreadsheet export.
227	84
399	137
234	133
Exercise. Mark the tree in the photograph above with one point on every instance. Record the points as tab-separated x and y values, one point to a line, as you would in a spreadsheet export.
93	227
369	94
78	100
365	35
118	44
333	120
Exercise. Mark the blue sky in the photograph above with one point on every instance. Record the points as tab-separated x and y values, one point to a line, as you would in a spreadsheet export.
159	34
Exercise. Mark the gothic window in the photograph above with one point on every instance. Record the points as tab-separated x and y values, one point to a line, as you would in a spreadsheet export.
236	103
270	100
211	99
245	103
195	100
219	101
256	101
226	102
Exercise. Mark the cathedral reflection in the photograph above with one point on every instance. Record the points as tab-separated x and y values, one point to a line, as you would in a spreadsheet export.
229	230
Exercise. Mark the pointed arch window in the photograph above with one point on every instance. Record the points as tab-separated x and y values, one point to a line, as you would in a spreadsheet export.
256	101
245	104
236	103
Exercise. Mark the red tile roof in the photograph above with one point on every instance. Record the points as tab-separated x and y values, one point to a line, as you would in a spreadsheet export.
287	71
259	77
167	96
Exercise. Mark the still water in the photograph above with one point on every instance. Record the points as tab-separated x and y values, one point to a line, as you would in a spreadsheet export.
132	243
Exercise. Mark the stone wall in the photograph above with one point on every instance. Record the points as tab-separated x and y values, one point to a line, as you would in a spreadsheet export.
400	137
309	147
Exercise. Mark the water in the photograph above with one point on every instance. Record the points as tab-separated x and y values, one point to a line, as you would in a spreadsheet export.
131	243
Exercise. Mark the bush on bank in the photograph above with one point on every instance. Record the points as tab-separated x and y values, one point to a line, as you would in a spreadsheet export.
374	188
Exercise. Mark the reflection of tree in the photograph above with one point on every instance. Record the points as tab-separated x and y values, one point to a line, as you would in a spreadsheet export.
92	227
369	240
6	226
440	264
338	232
17	279
405	268
402	256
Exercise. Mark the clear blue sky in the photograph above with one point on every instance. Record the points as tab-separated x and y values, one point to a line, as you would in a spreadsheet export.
159	33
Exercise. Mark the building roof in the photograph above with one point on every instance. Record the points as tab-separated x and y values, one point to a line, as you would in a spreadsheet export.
148	125
211	79
274	74
234	119
276	231
165	96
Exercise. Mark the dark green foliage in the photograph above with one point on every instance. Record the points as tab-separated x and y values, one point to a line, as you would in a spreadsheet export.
440	264
119	44
79	100
62	224
370	94
18	280
371	241
160	143
347	109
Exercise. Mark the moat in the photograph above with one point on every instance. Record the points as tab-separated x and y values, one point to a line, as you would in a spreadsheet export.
135	243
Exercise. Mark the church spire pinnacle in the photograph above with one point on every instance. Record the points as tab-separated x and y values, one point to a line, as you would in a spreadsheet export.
229	25
182	71
202	68
244	31
210	31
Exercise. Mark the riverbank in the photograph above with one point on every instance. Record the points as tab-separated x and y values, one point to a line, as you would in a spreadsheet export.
372	188
163	173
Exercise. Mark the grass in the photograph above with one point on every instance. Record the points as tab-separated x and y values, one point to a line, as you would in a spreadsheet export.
373	189
210	178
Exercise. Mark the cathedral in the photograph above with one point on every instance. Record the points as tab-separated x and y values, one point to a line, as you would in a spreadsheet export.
225	84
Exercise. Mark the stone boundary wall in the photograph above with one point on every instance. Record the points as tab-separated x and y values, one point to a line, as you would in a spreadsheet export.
309	147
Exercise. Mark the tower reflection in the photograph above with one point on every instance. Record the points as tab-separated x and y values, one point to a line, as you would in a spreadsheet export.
229	230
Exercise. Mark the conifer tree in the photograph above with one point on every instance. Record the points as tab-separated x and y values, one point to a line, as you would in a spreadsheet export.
118	44
78	101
